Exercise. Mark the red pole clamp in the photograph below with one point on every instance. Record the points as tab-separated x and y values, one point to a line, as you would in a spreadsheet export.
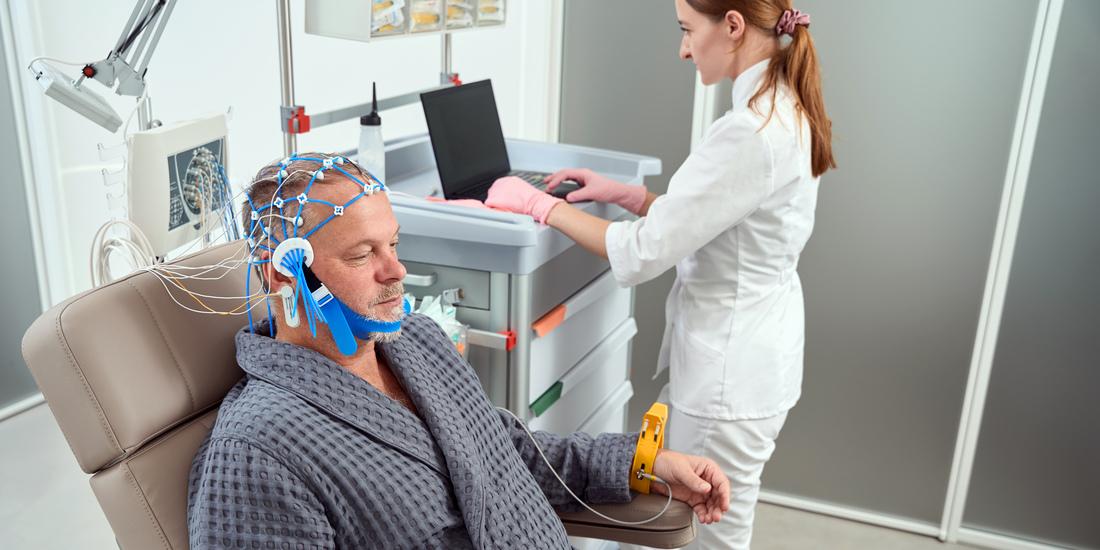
301	118
456	80
511	342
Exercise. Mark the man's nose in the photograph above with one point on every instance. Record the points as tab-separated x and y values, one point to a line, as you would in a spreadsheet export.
391	270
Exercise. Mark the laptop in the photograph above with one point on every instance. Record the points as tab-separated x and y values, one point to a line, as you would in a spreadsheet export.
470	154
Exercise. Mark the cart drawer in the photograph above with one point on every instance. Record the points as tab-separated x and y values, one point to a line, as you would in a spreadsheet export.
553	354
585	393
611	416
431	280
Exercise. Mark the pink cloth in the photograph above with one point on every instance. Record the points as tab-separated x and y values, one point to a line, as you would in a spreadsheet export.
791	19
515	195
469	203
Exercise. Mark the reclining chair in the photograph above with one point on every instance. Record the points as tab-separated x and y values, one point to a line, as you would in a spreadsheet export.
134	381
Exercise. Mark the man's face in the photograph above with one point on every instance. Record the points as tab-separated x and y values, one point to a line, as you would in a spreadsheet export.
355	254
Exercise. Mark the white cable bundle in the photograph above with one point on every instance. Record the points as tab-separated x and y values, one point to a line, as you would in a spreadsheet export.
136	248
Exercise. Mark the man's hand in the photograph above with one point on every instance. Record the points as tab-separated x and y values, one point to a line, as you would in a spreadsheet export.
694	480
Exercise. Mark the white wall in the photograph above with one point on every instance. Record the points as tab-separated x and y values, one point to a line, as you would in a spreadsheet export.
216	55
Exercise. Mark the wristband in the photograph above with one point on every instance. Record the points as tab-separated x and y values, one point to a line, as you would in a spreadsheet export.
650	440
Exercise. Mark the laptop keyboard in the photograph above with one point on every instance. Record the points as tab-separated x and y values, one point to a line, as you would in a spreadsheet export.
536	179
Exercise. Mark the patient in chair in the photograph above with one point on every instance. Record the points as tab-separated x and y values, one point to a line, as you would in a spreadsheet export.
394	445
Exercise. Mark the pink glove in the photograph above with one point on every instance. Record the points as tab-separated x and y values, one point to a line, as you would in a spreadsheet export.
600	189
470	203
515	195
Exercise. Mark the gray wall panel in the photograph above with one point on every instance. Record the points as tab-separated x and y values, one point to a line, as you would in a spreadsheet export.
1037	469
625	88
19	298
923	111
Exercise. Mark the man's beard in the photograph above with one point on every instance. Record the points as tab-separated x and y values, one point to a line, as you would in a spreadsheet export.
395	314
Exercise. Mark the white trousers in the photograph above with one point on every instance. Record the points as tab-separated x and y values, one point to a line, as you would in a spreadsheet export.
741	448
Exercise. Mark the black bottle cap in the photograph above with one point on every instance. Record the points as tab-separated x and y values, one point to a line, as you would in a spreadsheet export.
372	119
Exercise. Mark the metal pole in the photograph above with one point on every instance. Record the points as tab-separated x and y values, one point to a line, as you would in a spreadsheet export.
145	113
519	364
286	71
445	76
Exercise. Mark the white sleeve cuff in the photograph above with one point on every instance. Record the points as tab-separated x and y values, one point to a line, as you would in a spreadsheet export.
615	240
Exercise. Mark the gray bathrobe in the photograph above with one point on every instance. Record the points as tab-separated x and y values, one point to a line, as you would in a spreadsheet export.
305	454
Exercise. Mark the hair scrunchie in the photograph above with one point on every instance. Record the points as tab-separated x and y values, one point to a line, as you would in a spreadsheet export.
791	19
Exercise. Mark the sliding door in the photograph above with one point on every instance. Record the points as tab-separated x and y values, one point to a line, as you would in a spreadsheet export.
1037	468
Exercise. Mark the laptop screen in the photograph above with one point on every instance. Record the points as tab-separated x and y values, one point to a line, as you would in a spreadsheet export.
466	136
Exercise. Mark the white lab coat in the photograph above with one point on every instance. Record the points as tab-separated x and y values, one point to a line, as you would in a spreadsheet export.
735	218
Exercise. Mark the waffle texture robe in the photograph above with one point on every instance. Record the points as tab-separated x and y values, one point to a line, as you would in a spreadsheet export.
304	454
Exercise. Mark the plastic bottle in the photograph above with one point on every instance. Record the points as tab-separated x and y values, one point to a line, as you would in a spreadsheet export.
372	151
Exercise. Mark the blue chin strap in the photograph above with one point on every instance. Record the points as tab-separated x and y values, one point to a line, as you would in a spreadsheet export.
345	324
293	255
362	327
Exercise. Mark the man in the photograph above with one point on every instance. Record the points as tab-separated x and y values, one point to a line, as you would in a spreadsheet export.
395	445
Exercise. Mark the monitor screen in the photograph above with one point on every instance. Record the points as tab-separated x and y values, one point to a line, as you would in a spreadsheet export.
466	135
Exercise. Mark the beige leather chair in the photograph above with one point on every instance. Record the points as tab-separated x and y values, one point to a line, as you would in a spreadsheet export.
135	381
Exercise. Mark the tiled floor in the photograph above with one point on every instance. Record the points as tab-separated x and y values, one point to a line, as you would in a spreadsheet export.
46	503
779	528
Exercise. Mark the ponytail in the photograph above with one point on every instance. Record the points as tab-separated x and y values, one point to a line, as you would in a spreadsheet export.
796	64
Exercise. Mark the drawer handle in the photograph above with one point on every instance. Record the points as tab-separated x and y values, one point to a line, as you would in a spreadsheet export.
547	323
547	399
504	341
420	280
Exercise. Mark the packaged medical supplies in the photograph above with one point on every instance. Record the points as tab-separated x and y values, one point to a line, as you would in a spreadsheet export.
387	17
426	15
440	310
490	12
460	14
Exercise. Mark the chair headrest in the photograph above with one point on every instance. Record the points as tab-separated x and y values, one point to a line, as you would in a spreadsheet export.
123	363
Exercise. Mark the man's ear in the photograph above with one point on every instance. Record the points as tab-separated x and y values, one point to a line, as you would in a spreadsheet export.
271	276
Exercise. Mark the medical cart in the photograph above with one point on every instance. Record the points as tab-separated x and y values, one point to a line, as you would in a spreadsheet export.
550	329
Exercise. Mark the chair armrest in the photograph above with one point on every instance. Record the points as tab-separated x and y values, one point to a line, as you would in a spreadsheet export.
674	529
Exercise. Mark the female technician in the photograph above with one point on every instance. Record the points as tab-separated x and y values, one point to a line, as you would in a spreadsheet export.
734	221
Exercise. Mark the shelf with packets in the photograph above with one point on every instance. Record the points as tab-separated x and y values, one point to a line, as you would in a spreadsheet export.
368	20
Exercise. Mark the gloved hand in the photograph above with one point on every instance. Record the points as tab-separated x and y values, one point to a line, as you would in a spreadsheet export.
515	195
600	189
470	203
